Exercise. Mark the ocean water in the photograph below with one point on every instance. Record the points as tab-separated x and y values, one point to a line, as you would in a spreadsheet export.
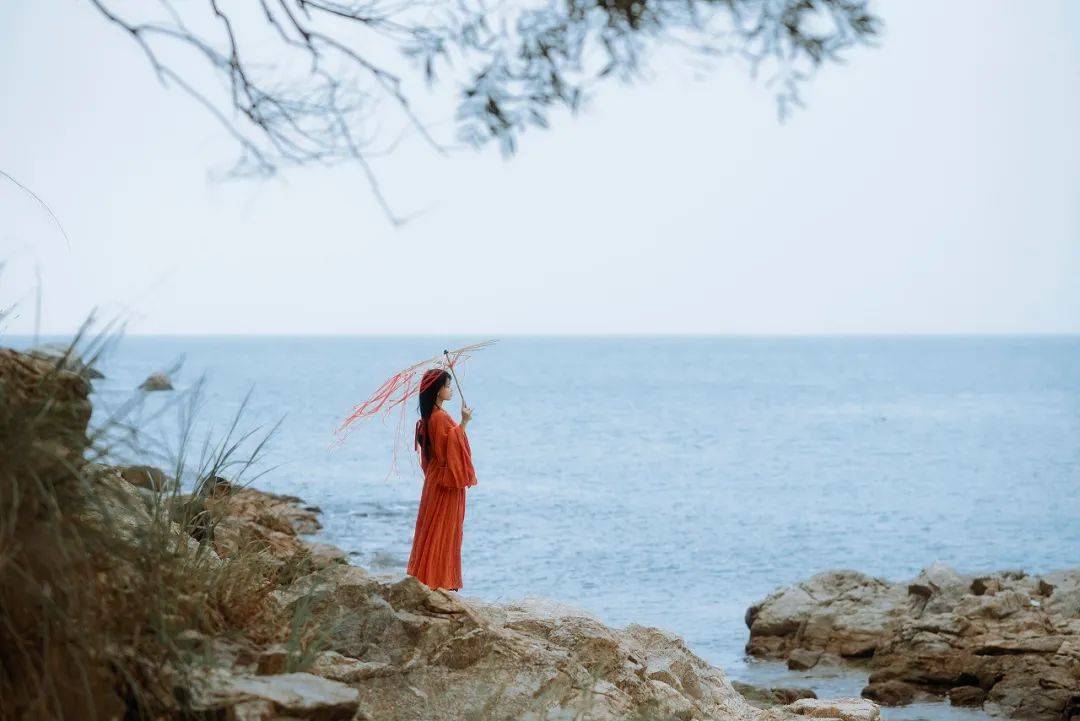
674	481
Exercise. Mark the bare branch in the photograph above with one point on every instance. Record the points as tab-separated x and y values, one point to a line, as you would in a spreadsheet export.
515	63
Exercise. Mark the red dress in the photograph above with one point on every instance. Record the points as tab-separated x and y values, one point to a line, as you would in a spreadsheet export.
436	551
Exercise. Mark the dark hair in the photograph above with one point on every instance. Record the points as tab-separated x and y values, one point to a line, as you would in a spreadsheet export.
430	385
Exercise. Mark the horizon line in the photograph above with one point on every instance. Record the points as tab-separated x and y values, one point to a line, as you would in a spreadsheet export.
658	334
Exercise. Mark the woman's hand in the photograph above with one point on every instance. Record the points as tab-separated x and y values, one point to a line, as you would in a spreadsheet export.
466	415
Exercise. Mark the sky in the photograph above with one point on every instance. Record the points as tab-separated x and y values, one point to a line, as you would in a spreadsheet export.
931	185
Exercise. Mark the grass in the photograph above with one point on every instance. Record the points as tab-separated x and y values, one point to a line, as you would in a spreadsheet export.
108	607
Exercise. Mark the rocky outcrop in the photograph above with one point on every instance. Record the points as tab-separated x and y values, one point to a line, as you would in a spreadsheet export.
156	382
390	648
836	612
769	696
44	412
1007	641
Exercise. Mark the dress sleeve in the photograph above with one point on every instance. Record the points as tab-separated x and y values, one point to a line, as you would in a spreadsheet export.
454	454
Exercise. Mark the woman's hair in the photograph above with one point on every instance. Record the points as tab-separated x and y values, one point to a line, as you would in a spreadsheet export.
430	385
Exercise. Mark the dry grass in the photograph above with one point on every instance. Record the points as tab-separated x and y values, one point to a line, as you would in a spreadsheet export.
106	603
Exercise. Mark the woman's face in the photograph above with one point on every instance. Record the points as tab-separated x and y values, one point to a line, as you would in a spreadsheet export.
446	392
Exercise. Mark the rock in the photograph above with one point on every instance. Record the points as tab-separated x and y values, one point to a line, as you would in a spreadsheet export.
800	659
1006	640
335	666
156	382
297	695
845	709
768	697
50	410
146	477
234	518
324	554
63	357
841	612
890	693
273	660
967	696
415	642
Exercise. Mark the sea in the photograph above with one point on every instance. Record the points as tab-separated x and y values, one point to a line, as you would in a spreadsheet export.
666	481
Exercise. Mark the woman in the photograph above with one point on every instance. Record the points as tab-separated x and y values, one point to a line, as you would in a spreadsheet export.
446	459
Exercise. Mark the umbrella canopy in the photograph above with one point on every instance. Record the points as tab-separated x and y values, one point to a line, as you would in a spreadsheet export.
402	386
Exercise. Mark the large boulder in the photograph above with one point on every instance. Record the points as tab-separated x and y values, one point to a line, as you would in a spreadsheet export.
429	654
1008	641
839	612
263	698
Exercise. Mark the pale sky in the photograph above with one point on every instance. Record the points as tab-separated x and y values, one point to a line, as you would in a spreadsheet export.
930	186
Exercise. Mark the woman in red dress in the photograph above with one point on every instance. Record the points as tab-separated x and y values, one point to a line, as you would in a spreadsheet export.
446	459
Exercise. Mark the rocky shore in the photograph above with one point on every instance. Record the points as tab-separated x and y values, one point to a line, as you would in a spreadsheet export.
1008	642
396	649
217	604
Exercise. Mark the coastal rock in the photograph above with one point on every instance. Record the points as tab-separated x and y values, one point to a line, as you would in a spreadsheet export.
238	518
296	695
840	612
967	696
405	646
325	554
1008	641
768	697
894	693
801	660
45	412
503	661
156	382
845	709
146	477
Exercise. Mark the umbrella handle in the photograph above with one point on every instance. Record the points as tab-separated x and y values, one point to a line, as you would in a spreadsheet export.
454	376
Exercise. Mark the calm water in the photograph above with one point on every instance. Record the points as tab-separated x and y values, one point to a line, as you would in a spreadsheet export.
675	481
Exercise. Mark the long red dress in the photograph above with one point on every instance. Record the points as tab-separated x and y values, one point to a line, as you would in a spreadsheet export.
436	551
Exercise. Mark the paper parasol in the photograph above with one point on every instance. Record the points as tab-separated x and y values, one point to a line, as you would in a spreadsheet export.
402	386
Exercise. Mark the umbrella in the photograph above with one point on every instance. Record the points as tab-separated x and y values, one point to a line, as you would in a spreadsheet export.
402	386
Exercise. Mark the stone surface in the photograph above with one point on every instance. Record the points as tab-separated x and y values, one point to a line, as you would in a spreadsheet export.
892	693
156	382
845	709
45	415
297	695
146	477
768	697
967	696
1009	641
800	659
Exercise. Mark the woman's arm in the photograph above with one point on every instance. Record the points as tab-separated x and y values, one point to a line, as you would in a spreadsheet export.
452	448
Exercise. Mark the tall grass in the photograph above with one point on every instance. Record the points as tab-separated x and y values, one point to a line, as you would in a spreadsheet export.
108	606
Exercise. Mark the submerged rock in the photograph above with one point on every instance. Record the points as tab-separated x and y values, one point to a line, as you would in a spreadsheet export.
1007	641
156	382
